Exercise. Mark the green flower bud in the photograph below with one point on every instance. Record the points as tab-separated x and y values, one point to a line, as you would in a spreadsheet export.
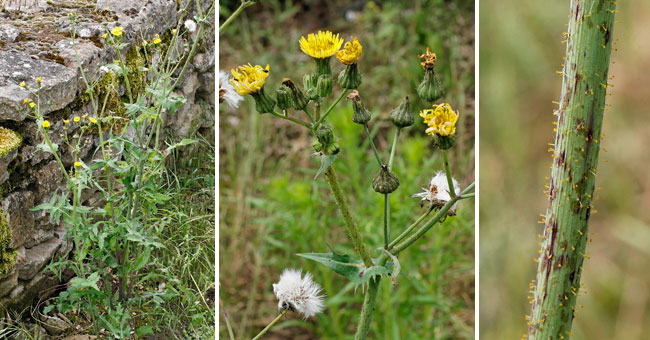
350	77
430	89
310	82
283	96
322	67
324	86
325	135
385	181
263	103
361	114
402	115
444	142
298	99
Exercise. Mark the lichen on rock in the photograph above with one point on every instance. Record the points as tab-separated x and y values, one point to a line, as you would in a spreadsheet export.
7	255
9	141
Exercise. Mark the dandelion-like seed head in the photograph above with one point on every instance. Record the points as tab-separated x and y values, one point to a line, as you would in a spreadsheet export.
117	31
350	53
321	45
248	79
298	293
441	120
227	91
190	25
428	59
438	191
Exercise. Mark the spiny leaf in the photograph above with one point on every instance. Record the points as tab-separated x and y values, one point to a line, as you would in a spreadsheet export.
325	162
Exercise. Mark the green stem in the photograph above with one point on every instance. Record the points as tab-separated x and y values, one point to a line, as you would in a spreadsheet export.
579	124
350	225
372	144
268	327
367	309
386	220
297	121
410	228
329	110
450	180
311	118
243	6
392	148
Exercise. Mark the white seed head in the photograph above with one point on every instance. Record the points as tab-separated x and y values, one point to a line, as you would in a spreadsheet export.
299	294
438	191
190	25
227	92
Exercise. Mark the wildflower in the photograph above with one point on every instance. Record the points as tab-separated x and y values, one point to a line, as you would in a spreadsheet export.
298	99
144	43
117	62
227	91
402	115
65	121
190	25
326	143
31	104
157	40
437	194
76	119
250	80
93	120
350	78
324	85
361	113
38	79
84	116
298	293
283	97
26	100
105	35
46	124
22	84
117	31
321	46
441	120
77	164
385	181
430	88
174	31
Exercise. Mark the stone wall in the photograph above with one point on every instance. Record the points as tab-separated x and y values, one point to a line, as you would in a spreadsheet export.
35	41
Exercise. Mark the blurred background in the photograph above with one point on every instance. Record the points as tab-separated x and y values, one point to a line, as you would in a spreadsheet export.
271	208
520	52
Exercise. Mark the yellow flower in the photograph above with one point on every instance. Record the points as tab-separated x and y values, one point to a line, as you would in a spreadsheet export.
157	40
84	116
321	45
350	53
248	79
77	164
32	104
46	124
429	59
117	62
22	84
117	31
76	118
105	35
38	79
26	100
93	120
65	121
441	120
174	31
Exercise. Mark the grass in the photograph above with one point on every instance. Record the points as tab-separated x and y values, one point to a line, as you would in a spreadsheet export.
518	60
271	208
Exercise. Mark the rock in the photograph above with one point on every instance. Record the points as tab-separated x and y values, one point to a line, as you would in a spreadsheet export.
17	207
54	325
36	258
49	179
8	282
8	33
80	337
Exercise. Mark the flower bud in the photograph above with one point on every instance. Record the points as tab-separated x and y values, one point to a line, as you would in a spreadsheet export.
325	135
298	99
350	77
402	115
361	114
283	96
309	81
324	86
430	89
263	103
385	181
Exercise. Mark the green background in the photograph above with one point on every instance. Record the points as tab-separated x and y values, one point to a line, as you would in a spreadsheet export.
520	52
271	208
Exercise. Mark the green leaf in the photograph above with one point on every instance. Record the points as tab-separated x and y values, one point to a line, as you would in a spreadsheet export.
396	266
79	283
325	162
46	148
142	330
343	264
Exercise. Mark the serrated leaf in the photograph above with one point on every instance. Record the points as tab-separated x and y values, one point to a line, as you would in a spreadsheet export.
343	264
396	266
325	162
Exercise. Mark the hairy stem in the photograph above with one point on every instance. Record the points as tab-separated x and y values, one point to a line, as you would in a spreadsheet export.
268	327
329	110
372	144
367	309
235	14
386	220
579	123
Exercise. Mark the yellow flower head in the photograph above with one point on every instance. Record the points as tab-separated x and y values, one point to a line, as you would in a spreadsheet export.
39	79
65	121
350	53
441	120
77	164
105	35
248	79
76	118
22	84
26	100
93	120
32	104
117	31
46	124
428	59
157	40
321	45
84	116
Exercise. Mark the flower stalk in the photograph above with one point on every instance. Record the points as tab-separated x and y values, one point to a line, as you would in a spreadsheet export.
579	123
270	325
